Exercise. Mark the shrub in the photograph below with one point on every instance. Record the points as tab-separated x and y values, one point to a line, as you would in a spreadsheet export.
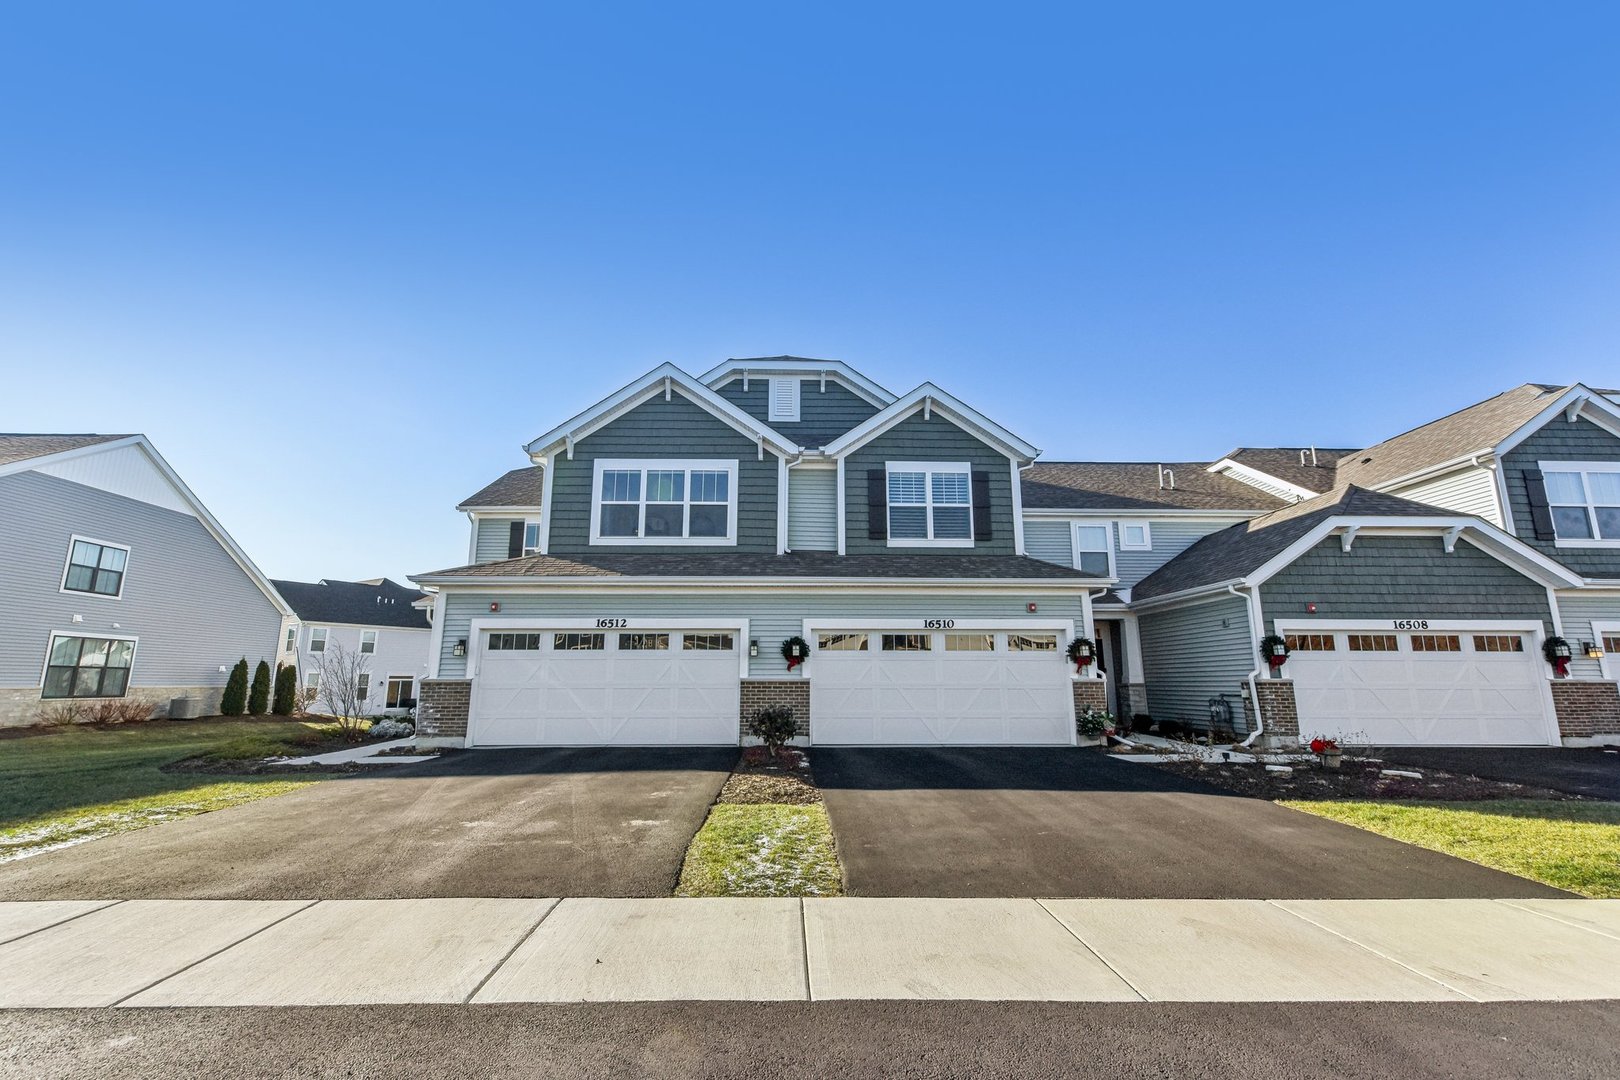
259	693
125	710
391	729
234	700
1141	722
1096	722
285	702
59	713
772	725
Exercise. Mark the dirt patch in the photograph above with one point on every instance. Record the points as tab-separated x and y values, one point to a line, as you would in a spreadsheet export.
760	778
1355	779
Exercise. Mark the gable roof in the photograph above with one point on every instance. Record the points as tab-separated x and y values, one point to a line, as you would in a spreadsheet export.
362	603
929	399
1134	486
1292	464
803	366
517	489
798	565
22	447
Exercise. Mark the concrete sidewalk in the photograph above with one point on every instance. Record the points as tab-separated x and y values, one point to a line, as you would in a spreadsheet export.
354	952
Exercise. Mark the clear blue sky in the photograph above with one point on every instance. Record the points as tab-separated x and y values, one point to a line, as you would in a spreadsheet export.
340	263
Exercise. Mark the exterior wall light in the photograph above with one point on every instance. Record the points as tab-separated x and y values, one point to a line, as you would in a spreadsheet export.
1594	651
460	648
753	646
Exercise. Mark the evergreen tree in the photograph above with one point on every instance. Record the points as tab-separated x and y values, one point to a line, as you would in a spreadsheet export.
234	702
259	695
285	702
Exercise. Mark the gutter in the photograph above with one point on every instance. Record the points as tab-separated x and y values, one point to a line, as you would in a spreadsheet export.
1254	675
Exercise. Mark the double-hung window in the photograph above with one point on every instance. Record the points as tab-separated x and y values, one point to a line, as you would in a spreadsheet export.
368	642
661	501
1584	499
930	503
95	567
317	639
1094	548
531	537
88	667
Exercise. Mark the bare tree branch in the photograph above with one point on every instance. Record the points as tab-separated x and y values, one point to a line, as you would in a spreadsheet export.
340	690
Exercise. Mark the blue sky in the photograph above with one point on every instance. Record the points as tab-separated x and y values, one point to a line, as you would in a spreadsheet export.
339	262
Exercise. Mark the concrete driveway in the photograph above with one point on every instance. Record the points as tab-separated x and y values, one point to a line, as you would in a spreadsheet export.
1594	773
493	823
1060	822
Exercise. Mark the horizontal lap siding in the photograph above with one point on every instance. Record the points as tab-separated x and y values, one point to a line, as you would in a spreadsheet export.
1561	440
190	604
1402	577
934	439
1194	653
1049	541
822	416
494	540
1170	538
399	653
813	510
1578	611
1467	491
773	616
664	429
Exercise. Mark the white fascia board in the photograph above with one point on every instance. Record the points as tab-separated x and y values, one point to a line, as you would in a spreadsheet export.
720	374
1473	459
1136	512
655	382
1212	591
937	400
365	626
486	511
1584	400
709	585
1242	473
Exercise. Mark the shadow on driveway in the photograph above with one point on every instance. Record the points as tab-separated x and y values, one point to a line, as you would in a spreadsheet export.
1062	822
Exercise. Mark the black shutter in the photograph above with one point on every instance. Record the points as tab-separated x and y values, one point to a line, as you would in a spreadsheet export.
514	541
877	504
1535	489
981	506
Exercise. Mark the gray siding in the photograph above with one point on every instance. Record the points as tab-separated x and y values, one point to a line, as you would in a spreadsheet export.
1578	611
1561	440
1050	541
1194	653
934	439
773	616
823	416
192	607
1402	577
493	539
813	510
399	653
665	429
1053	541
1467	491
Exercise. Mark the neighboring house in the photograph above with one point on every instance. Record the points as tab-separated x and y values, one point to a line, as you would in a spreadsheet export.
117	582
635	583
380	620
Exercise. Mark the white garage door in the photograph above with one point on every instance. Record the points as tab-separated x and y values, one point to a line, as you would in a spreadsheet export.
956	687
606	687
1435	686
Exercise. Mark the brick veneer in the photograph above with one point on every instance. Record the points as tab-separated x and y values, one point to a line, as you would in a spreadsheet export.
1089	694
757	693
441	708
1277	709
1587	708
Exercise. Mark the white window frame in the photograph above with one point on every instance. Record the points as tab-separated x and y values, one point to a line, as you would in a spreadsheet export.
532	523
775	413
1582	467
375	635
1074	541
388	685
729	466
50	647
312	681
1147	535
292	639
928	469
67	564
324	633
362	686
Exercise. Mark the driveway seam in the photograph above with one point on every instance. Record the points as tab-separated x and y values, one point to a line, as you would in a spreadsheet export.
1556	919
216	952
804	951
527	934
61	922
1091	949
1368	948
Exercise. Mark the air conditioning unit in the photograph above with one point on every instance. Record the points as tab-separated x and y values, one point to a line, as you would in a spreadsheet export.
184	708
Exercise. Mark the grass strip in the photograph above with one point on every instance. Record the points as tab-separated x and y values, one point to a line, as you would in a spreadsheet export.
762	849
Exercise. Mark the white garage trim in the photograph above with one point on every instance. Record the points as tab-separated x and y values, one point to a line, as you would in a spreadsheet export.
1609	666
630	625
1062	626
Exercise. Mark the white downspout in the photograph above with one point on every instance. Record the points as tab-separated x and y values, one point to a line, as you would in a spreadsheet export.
1254	675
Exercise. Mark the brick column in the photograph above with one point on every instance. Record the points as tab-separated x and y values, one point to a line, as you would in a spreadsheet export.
441	711
758	693
1277	710
1089	694
1588	710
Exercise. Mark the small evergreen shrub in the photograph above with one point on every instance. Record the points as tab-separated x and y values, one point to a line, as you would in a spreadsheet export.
772	725
234	700
391	729
285	700
259	692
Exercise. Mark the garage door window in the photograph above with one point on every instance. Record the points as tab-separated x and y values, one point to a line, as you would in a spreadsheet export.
842	642
514	642
708	642
1311	643
578	642
1436	643
1032	643
1374	643
1498	643
970	643
906	643
643	642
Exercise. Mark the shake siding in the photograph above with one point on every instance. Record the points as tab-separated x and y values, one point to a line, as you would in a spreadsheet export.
664	429
813	509
773	616
1049	541
1561	440
1402	577
1467	491
494	539
1194	653
1578	611
934	439
190	604
822	416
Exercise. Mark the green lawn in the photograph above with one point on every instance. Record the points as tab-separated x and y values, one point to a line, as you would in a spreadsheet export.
84	783
762	849
1568	845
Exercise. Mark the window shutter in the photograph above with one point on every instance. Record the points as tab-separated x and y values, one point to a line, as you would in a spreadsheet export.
514	541
982	529
877	504
1535	489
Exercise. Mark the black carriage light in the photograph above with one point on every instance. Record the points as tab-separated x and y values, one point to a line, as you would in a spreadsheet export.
460	648
1594	651
753	647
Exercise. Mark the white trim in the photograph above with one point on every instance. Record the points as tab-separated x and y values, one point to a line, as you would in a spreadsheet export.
781	506
67	564
1583	468
539	535
1147	534
778	387
1607	416
706	586
841	527
50	647
478	627
436	635
1014	622
934	400
360	646
730	466
928	469
1018	505
309	642
1389	626
859	384
1609	666
1230	517
1074	543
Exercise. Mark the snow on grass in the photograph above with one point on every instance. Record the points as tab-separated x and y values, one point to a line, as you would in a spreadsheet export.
762	849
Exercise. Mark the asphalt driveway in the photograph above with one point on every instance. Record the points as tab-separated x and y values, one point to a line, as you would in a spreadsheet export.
1591	772
1073	823
497	823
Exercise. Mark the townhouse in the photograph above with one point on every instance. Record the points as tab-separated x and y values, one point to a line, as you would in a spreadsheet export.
380	624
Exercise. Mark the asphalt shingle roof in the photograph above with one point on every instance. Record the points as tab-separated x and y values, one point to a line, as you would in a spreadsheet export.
1134	485
520	487
20	447
798	564
1283	462
1245	547
362	603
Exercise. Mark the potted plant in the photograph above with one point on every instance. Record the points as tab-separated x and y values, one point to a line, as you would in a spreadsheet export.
1327	751
1096	726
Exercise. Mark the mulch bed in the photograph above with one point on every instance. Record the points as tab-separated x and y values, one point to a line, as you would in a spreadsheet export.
758	778
1355	779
